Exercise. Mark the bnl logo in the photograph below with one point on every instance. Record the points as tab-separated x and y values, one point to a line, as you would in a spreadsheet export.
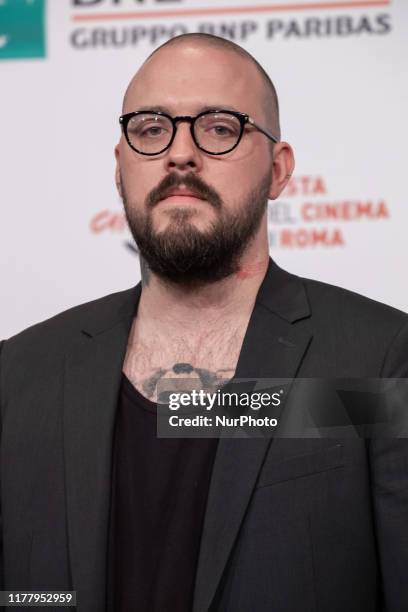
22	29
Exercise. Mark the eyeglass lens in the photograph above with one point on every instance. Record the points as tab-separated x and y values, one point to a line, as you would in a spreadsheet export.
214	132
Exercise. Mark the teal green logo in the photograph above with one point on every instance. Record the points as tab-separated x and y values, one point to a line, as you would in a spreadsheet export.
22	29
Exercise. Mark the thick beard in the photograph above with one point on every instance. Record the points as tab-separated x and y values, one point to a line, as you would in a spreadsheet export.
185	255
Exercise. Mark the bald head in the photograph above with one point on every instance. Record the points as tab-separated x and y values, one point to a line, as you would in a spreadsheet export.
268	96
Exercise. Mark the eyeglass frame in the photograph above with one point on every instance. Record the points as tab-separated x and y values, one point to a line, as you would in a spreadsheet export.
242	117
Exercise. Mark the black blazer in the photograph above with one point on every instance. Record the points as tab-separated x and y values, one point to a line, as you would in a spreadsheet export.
291	525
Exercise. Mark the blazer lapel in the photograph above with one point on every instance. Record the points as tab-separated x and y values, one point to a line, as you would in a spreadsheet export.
273	347
92	381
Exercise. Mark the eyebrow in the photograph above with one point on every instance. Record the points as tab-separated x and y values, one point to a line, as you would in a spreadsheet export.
164	109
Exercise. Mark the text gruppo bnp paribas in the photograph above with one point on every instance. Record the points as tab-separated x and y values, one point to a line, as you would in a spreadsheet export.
119	24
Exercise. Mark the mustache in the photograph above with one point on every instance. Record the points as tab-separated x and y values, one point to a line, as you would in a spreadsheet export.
191	181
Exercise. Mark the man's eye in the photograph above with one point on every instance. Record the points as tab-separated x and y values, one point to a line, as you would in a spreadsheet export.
222	130
154	130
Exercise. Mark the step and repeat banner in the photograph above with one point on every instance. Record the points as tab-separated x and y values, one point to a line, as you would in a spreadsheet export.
340	68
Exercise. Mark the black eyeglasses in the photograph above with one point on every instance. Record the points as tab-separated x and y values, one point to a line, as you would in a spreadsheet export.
215	132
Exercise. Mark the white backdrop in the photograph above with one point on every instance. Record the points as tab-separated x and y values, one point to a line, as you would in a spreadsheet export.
340	69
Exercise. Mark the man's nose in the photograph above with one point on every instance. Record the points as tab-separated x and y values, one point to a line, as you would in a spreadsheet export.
183	153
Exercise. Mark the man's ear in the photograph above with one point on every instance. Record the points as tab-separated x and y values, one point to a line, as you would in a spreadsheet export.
117	172
282	168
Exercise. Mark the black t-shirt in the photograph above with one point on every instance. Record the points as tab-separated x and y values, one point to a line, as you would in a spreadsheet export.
159	493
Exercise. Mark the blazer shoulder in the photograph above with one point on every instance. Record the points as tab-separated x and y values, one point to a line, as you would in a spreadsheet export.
60	328
344	303
354	320
35	356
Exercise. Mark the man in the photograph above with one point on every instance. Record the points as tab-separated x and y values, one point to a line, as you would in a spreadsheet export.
92	500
